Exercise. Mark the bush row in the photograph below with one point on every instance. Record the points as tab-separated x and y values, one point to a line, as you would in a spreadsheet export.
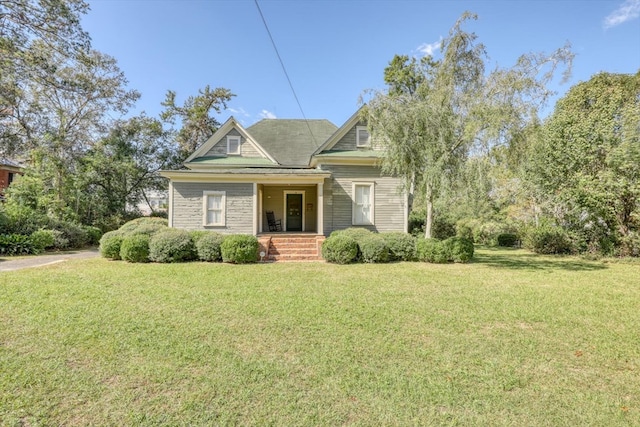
149	239
361	245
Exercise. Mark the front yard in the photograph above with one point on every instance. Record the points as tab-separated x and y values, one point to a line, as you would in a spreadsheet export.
510	339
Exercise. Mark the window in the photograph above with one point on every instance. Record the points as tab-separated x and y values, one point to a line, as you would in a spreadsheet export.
363	139
363	203
214	208
233	144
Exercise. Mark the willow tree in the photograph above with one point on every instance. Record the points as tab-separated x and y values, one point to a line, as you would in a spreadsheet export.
436	112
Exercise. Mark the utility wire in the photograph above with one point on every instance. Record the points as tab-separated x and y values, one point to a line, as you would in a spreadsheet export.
264	21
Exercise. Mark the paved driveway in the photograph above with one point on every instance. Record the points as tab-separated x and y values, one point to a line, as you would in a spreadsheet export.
9	264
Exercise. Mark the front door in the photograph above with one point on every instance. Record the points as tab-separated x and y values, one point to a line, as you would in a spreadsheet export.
294	212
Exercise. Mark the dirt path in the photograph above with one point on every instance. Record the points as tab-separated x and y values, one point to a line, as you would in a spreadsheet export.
9	264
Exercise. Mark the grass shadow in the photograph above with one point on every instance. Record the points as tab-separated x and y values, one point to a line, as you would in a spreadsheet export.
520	259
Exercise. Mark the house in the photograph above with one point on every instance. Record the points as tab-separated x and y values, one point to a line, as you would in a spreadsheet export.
9	169
313	176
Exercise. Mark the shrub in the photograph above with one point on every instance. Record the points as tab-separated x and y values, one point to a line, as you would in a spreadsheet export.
110	243
23	220
431	250
135	248
339	248
73	235
93	234
15	244
373	248
356	233
42	239
239	249
630	246
459	249
548	240
208	246
402	246
144	225
171	245
507	240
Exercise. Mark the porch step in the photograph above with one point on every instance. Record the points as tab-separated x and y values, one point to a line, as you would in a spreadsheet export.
293	248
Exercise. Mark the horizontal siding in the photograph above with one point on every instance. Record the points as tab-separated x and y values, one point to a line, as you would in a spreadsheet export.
187	206
389	202
348	142
246	148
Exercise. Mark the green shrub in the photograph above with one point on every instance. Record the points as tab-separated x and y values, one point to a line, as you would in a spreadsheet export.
431	250
135	248
508	240
208	246
198	234
15	244
110	243
73	235
402	246
458	249
629	246
548	239
144	225
373	248
42	239
171	245
23	220
93	234
239	249
356	233
339	248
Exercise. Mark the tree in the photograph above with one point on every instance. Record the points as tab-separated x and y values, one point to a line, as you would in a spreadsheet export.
587	162
436	113
197	124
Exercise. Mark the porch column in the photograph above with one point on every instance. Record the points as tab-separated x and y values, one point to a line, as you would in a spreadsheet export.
255	209
320	209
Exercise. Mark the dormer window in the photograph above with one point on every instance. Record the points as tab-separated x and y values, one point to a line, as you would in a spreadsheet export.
363	139
233	144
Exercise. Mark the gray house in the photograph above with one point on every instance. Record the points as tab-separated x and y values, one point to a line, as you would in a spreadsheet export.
311	176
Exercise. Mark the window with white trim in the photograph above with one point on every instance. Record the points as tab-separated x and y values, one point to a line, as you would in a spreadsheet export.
233	144
213	208
363	139
363	202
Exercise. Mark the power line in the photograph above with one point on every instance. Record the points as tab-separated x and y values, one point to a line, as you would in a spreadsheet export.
284	69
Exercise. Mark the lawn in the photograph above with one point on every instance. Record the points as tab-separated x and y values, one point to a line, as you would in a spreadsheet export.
512	339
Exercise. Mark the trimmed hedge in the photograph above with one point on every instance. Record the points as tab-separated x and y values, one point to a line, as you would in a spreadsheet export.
110	243
402	246
373	249
459	249
549	240
453	249
339	248
208	246
135	248
239	249
171	245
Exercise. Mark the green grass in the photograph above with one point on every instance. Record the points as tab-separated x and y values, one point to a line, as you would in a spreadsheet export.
512	339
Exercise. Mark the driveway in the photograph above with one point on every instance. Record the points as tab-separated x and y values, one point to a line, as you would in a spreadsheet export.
10	264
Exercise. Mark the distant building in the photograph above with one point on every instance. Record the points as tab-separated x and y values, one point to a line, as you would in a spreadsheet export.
9	170
158	201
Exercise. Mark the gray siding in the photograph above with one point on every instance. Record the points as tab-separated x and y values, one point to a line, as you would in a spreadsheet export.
246	148
389	202
187	207
348	142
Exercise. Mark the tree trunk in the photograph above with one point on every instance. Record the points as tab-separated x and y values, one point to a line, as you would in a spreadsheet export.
429	223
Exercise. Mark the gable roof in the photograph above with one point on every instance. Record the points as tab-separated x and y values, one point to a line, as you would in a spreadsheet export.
340	133
292	142
221	133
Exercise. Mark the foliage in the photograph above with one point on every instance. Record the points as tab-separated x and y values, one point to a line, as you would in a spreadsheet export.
20	219
135	248
194	115
75	235
339	248
93	234
144	225
239	249
507	239
373	248
402	246
16	244
42	239
548	239
110	244
431	250
459	249
586	165
171	245
208	246
436	111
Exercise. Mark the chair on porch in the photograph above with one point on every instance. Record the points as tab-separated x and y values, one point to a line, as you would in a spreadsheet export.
274	224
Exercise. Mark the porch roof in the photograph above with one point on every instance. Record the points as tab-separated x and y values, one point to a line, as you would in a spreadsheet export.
275	175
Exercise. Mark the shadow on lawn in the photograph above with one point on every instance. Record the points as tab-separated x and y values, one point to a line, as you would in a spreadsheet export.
518	259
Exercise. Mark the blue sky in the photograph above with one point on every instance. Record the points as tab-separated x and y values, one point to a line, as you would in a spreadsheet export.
334	50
